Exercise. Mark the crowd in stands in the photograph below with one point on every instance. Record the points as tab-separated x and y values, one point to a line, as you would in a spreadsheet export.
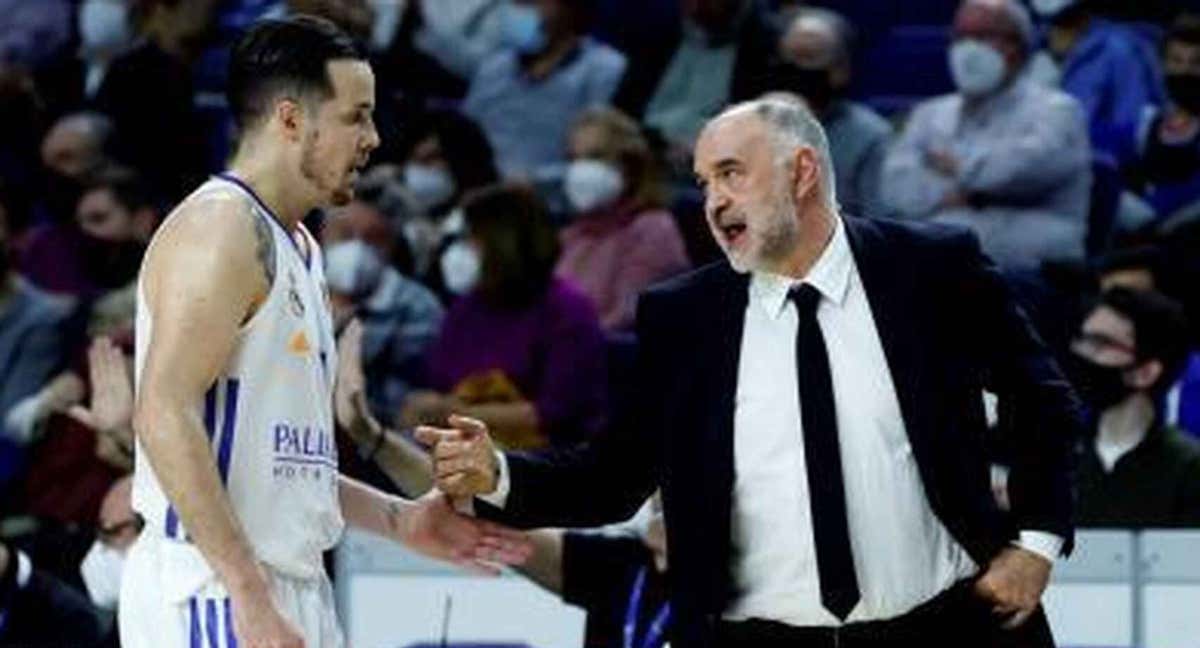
535	176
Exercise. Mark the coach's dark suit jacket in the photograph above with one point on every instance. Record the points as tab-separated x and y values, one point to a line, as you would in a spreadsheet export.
949	329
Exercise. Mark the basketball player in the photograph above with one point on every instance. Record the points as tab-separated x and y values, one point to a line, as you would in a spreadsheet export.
236	470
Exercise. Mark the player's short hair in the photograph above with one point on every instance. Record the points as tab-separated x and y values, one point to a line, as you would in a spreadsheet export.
286	57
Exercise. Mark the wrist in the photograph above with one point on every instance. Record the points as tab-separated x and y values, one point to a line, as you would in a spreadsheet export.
247	584
397	518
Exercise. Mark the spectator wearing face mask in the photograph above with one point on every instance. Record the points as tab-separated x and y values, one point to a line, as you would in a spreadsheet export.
816	53
521	349
1112	71
1151	267
117	529
400	318
445	156
1003	156
101	248
525	97
1166	142
622	240
1137	471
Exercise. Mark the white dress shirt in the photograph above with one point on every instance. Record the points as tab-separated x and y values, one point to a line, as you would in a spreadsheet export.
903	554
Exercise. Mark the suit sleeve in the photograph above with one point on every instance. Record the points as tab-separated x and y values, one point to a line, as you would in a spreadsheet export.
1040	414
606	479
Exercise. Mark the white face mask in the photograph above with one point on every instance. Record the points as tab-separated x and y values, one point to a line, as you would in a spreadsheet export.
521	28
591	184
978	68
353	268
460	267
101	570
1051	8
429	186
104	26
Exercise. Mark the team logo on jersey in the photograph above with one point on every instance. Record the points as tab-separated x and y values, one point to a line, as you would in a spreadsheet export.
299	344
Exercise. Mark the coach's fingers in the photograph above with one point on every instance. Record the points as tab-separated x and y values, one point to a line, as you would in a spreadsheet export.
450	449
471	428
444	468
432	436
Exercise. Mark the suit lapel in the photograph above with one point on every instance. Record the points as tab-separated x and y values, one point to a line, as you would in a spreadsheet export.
890	287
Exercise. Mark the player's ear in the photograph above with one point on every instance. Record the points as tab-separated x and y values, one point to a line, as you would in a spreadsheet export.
289	113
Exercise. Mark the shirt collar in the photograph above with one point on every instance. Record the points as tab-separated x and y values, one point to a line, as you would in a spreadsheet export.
830	275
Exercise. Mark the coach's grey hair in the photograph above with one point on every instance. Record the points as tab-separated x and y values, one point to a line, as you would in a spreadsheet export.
792	125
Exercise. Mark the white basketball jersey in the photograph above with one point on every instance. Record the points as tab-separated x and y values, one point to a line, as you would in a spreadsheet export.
269	417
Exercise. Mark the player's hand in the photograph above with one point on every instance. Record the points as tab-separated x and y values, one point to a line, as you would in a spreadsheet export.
464	458
1014	583
257	622
432	526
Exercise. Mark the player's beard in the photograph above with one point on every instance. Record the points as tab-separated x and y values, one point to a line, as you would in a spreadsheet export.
337	195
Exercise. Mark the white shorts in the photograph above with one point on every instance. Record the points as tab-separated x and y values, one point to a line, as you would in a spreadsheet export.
151	618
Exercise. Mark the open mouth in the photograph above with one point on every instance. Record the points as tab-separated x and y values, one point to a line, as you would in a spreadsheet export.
733	232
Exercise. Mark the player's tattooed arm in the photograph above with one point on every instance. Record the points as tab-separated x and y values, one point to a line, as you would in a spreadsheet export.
264	247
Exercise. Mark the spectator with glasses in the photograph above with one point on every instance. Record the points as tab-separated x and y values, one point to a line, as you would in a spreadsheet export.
1136	471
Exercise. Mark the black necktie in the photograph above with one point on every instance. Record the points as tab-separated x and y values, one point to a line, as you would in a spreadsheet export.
826	493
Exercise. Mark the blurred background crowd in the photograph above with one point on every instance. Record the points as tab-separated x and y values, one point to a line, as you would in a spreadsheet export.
535	175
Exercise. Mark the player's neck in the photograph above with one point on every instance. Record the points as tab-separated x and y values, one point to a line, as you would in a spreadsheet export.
272	189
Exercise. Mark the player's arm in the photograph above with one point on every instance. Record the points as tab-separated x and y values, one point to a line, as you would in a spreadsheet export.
208	269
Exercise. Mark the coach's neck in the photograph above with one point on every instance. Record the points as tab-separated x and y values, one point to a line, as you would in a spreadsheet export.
271	178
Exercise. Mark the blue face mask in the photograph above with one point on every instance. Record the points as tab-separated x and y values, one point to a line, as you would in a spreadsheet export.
522	29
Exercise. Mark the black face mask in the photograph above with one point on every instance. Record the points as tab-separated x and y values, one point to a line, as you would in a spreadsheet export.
111	264
1185	91
813	84
1100	386
61	194
1169	163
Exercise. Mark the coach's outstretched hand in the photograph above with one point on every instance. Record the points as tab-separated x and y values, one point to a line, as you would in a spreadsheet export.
432	526
464	458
